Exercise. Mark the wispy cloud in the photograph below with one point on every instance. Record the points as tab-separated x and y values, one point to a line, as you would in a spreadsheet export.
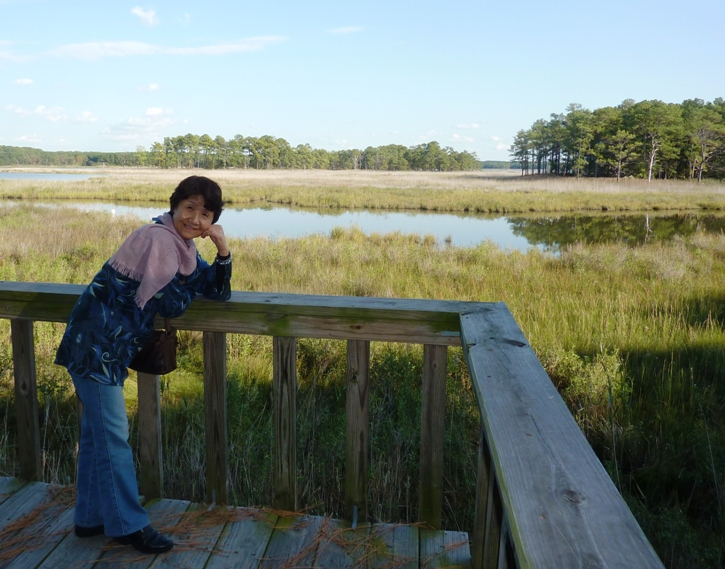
23	82
158	111
465	126
185	20
148	17
500	143
150	87
98	50
140	129
10	55
29	138
85	117
345	30
53	114
428	136
459	138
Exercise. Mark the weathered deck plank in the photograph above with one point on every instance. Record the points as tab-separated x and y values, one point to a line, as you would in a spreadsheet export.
293	543
243	542
340	546
213	538
394	546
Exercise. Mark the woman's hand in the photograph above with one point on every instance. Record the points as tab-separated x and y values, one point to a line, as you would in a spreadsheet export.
216	234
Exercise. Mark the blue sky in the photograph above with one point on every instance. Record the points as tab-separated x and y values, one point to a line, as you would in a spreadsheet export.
110	76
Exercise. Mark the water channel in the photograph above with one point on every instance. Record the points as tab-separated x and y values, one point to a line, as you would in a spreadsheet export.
515	232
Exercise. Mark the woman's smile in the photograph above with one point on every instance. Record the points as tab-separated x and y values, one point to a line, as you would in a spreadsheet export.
191	218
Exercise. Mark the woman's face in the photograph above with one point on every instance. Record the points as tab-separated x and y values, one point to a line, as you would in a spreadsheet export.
191	218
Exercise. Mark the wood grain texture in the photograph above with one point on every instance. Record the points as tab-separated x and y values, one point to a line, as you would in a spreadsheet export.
151	477
26	399
215	417
243	543
293	543
562	508
439	550
433	429
284	419
483	517
340	546
394	546
8	487
357	455
303	316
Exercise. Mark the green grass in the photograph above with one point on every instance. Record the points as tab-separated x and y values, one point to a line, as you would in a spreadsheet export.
632	337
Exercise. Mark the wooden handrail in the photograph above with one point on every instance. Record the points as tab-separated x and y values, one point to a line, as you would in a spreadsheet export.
543	497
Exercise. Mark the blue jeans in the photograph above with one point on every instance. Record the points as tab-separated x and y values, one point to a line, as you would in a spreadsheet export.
107	491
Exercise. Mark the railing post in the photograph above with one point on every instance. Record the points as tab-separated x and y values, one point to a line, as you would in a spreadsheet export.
433	424
151	478
26	399
284	418
357	458
487	522
215	417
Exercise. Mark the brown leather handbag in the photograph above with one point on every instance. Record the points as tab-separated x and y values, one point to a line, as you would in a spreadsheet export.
158	355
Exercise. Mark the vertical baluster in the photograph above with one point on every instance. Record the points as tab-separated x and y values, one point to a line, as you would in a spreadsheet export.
433	424
215	417
284	392
151	479
357	457
26	399
487	523
506	559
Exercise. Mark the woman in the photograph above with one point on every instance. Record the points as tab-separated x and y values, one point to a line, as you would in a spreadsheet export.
157	269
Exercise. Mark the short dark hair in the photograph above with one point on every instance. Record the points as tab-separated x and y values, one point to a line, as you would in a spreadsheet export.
199	186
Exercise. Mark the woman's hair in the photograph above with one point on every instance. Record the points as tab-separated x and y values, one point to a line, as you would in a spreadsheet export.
199	186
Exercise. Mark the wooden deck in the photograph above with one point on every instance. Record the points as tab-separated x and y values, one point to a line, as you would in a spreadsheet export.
36	523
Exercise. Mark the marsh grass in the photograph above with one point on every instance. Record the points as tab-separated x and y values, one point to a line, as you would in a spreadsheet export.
476	192
632	337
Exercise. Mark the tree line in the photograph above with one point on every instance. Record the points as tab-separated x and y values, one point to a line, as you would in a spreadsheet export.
264	152
646	139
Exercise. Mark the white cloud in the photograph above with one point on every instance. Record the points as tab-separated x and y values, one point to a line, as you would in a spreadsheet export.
144	129
459	138
97	50
29	138
185	20
502	146
345	30
428	136
85	117
496	138
23	82
54	114
148	17
158	111
468	125
150	87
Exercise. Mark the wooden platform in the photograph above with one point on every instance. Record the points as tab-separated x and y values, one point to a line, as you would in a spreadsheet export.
36	523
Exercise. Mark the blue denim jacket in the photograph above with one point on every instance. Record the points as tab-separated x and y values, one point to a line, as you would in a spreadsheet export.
106	328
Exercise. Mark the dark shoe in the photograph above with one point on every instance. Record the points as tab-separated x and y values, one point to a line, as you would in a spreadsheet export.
80	531
147	540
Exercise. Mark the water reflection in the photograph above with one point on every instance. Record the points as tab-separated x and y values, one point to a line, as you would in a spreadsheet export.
464	230
555	233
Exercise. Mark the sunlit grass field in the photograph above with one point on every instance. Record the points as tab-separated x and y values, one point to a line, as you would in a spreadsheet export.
632	337
503	191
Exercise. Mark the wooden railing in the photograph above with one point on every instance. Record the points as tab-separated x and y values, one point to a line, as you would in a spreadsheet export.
543	498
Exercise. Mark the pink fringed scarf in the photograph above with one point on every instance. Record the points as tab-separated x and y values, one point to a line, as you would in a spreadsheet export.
152	255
